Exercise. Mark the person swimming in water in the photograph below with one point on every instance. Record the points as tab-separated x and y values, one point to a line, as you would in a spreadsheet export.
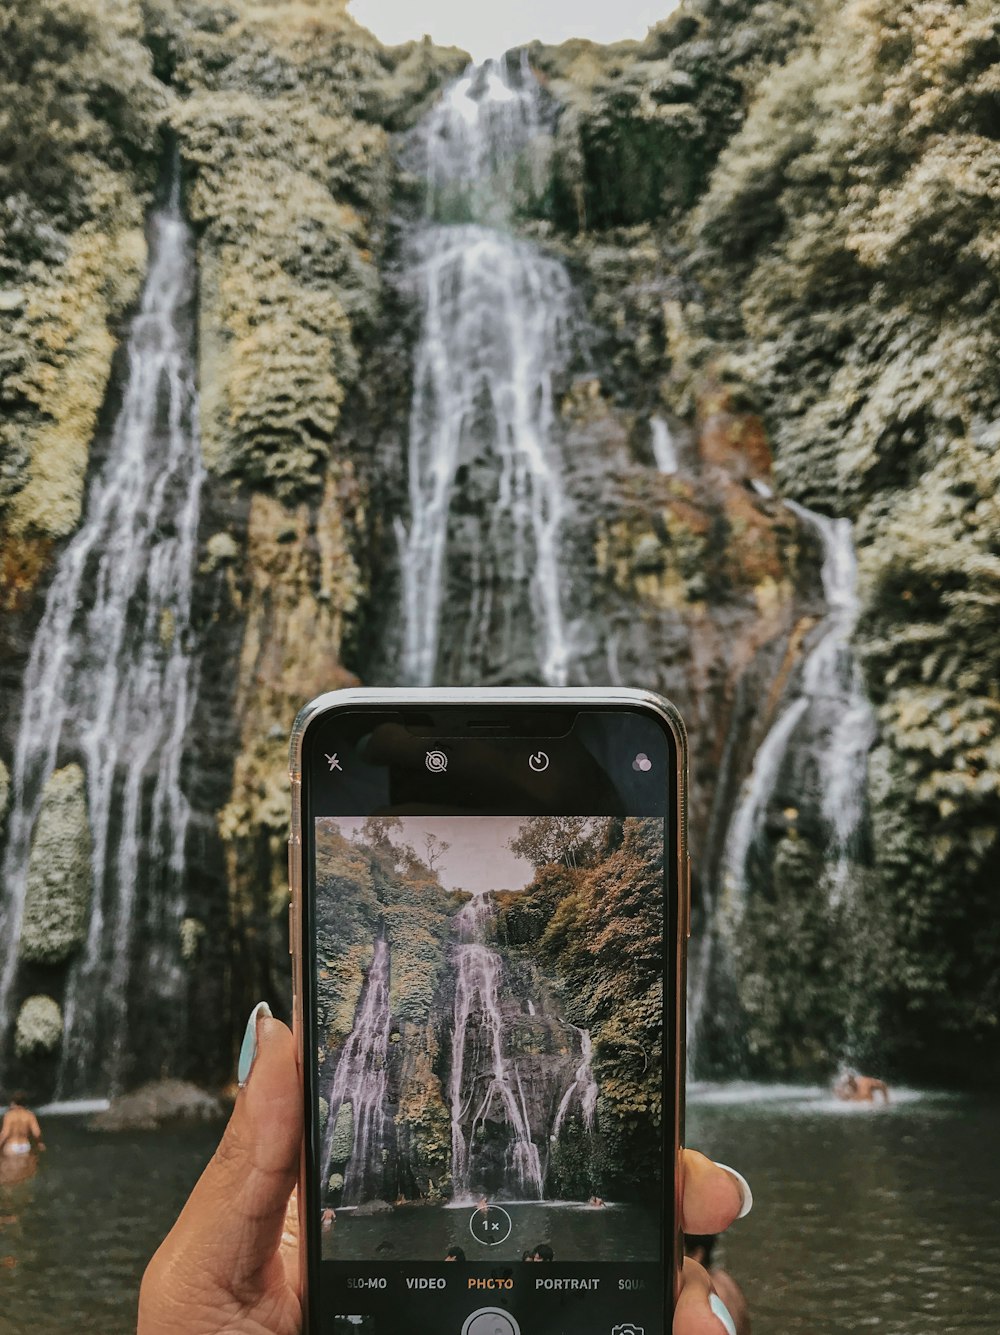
20	1132
854	1088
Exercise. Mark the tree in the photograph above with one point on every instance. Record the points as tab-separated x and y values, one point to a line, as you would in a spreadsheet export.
575	841
377	831
435	850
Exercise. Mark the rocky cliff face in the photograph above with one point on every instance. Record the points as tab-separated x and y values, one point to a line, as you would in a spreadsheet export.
280	120
777	221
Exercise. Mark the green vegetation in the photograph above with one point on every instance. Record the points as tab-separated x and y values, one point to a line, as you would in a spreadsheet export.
597	927
368	887
365	889
281	115
824	180
647	120
79	149
39	1028
60	879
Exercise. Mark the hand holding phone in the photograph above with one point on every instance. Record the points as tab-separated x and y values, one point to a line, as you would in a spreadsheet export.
489	917
235	1246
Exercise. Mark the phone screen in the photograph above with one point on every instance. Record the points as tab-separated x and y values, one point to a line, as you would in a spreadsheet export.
492	950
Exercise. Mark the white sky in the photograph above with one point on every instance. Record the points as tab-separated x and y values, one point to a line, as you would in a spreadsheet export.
478	858
485	28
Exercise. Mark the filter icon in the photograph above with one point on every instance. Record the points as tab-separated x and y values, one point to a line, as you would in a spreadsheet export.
642	763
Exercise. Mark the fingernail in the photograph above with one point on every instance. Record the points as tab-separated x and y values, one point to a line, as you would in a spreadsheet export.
248	1052
744	1187
722	1312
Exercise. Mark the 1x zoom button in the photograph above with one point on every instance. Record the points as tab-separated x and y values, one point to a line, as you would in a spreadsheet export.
491	1321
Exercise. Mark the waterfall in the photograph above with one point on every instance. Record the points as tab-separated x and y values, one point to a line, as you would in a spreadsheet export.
664	449
111	681
478	1035
832	698
496	319
359	1083
584	1086
484	144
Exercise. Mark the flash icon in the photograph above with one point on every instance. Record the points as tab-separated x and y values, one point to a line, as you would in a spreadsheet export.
334	762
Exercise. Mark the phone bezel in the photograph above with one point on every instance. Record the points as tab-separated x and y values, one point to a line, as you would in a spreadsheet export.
677	891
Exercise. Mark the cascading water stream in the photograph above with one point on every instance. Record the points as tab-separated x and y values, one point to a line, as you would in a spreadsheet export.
482	143
664	449
584	1087
359	1082
832	691
496	318
111	682
478	1033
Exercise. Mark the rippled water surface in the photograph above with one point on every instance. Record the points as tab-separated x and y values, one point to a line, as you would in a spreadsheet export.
75	1239
865	1219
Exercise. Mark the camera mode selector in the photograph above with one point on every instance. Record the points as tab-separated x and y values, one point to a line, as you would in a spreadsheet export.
491	1321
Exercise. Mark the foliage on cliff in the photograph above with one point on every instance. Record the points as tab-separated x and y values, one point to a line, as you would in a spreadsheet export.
599	926
281	120
856	215
79	112
824	180
642	141
368	887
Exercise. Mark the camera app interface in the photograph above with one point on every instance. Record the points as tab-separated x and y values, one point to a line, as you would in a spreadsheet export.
490	1075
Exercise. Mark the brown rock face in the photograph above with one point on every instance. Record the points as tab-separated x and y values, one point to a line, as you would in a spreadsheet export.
298	586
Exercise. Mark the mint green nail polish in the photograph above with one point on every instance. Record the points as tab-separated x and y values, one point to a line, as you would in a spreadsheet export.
720	1309
744	1187
248	1051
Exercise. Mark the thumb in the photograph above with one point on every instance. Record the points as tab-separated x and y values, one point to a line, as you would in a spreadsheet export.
227	1238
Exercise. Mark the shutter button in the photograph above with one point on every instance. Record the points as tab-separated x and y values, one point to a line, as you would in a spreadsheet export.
491	1321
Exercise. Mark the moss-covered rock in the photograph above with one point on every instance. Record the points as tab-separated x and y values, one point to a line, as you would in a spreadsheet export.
853	214
78	148
423	1121
159	1104
282	120
4	792
60	877
342	1141
38	1032
790	932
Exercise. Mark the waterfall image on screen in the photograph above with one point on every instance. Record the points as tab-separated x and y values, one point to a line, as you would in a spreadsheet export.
489	998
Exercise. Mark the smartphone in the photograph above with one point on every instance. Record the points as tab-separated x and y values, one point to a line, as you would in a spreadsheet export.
490	906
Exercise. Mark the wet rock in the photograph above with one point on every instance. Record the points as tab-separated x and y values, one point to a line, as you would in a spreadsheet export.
39	1027
161	1103
60	878
373	1207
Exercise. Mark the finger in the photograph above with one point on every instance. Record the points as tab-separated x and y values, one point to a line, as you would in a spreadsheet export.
230	1230
700	1310
290	1242
713	1196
